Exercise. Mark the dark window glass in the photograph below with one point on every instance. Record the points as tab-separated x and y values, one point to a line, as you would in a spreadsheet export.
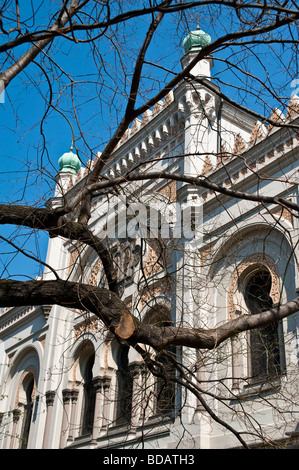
165	388
124	387
89	397
264	342
27	414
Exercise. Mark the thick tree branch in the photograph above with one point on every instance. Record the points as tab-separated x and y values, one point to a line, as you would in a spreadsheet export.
115	315
104	303
48	220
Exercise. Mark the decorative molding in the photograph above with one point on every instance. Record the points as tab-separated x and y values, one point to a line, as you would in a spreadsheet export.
204	253
42	340
169	190
127	255
159	288
73	258
93	278
157	257
207	166
16	314
88	325
258	132
29	370
106	352
151	265
239	145
248	264
46	309
223	157
258	163
67	395
276	116
293	107
50	397
283	212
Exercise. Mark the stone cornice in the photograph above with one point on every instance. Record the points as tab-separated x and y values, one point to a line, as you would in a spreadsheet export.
275	151
14	316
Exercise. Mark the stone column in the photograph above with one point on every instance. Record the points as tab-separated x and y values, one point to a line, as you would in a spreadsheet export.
98	384
136	396
66	398
74	399
147	395
143	398
14	433
50	396
21	423
106	386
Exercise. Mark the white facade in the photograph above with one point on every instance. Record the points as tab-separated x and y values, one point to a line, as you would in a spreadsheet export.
49	353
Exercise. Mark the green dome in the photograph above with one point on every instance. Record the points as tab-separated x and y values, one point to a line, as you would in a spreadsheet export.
69	162
196	40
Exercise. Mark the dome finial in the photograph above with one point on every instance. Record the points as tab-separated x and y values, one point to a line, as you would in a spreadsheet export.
196	40
69	162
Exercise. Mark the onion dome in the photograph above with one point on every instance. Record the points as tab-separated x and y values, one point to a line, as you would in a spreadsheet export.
69	163
196	40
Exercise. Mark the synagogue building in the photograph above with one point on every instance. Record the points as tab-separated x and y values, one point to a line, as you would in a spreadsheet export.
200	259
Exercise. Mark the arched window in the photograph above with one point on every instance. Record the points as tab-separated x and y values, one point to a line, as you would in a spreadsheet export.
124	387
86	363
264	342
28	391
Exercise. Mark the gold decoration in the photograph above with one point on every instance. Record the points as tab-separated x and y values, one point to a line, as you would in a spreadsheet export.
169	191
276	116
283	212
207	167
293	107
239	144
256	133
93	278
89	325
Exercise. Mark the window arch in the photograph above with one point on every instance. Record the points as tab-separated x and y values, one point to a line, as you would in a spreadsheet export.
263	342
21	386
124	386
86	363
26	397
257	355
89	396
